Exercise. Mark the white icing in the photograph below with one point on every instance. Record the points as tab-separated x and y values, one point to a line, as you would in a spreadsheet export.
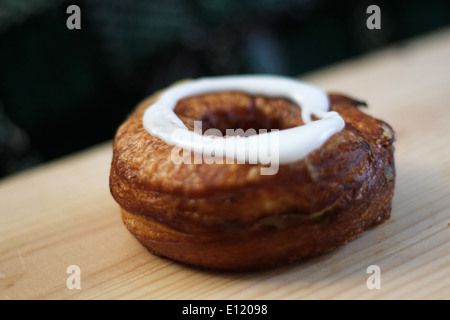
292	144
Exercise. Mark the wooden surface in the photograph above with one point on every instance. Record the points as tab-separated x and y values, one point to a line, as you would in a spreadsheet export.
62	213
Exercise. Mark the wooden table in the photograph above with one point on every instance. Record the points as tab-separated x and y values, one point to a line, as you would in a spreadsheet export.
62	214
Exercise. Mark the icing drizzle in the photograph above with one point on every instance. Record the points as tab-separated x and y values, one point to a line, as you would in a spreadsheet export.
291	144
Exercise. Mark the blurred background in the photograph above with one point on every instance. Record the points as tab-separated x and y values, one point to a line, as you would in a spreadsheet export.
64	90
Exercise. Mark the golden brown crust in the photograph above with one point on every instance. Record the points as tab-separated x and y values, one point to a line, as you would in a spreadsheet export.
228	216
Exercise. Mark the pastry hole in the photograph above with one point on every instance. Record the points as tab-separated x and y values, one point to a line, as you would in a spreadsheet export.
238	114
232	123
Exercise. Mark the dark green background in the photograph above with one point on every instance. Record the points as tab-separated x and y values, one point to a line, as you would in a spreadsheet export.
64	90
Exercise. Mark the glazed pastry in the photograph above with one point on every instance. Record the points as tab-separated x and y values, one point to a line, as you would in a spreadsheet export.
250	172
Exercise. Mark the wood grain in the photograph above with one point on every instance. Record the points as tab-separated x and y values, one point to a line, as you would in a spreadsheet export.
62	214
